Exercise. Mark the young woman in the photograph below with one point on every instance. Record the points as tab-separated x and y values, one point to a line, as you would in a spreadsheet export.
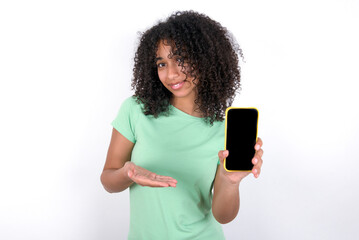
167	139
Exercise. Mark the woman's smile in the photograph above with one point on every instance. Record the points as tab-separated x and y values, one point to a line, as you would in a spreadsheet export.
177	86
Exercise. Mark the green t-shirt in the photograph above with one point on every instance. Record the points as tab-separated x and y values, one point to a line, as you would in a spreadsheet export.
180	146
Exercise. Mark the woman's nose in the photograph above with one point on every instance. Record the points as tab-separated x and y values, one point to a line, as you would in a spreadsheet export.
173	71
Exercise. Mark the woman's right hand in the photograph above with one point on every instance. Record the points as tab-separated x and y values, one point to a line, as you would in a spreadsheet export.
146	178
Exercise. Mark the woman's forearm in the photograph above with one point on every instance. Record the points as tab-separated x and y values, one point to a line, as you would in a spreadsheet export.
225	204
115	180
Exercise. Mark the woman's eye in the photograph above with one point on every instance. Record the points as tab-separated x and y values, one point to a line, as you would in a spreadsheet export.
160	65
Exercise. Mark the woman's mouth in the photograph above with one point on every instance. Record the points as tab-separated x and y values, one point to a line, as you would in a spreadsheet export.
177	85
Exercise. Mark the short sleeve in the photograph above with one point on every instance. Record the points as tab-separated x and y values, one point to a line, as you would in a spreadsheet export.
125	120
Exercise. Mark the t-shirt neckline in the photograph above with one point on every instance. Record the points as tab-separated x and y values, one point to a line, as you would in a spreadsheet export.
185	115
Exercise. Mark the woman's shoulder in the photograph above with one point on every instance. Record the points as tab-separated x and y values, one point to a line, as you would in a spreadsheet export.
130	107
132	102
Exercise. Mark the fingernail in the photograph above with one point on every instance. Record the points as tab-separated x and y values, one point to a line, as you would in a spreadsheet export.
255	171
226	153
255	161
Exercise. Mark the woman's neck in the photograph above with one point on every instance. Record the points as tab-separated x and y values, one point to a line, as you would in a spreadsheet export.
186	105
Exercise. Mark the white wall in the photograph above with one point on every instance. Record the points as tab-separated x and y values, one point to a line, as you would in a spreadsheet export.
65	68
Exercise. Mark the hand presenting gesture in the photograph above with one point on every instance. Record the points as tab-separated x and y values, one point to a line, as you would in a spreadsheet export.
144	177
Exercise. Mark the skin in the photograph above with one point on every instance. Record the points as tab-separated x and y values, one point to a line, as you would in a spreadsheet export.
119	172
169	73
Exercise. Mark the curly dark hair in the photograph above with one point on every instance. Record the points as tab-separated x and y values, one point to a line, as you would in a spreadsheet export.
210	51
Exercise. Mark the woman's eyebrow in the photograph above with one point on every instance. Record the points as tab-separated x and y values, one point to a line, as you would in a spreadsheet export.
158	58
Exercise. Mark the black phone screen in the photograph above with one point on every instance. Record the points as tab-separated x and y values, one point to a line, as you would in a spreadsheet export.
241	137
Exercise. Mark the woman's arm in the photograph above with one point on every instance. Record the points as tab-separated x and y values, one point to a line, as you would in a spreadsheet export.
114	176
225	204
119	172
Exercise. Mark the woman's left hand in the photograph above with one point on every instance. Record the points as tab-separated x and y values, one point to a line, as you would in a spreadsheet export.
236	177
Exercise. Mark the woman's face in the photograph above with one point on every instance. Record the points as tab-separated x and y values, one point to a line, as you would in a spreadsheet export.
171	74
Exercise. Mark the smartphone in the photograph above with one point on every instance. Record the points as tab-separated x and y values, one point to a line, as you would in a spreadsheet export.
240	138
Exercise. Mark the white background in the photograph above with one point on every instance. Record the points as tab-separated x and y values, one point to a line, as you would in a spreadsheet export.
66	67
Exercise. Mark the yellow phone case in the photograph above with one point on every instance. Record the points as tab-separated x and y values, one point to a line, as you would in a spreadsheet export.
225	136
